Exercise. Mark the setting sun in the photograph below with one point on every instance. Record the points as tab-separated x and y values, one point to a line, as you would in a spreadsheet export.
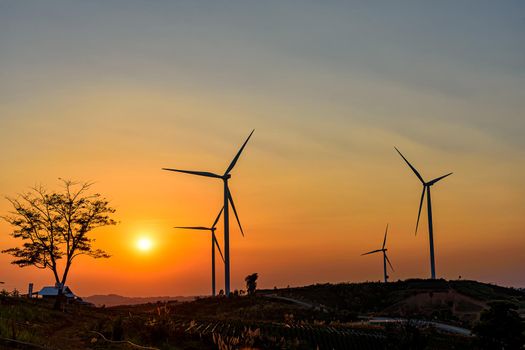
144	244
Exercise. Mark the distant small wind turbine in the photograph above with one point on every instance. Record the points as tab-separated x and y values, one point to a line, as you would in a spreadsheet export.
214	244
426	188
385	257
227	200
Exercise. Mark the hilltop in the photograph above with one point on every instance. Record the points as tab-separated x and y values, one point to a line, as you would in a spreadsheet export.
109	300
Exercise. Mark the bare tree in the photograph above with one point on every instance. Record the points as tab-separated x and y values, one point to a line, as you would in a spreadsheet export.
54	227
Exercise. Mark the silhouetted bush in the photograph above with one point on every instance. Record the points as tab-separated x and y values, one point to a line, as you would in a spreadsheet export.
251	283
117	329
500	327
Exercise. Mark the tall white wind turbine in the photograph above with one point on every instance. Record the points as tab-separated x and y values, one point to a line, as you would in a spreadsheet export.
385	257
426	188
214	243
227	201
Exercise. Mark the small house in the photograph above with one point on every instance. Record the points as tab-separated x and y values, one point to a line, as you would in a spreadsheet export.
52	292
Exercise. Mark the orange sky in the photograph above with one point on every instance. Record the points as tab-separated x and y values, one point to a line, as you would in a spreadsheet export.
320	178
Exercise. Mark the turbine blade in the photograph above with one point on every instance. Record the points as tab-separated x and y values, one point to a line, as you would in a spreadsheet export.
373	251
218	247
420	206
234	161
438	179
235	211
384	240
218	217
388	261
200	173
411	167
193	228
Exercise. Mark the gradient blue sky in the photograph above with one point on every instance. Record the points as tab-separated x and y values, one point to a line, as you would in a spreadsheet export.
113	90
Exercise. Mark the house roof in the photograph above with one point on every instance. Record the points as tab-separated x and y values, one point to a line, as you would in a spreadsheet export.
53	291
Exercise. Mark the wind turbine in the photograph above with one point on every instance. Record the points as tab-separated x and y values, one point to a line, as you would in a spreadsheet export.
213	244
227	201
426	188
385	257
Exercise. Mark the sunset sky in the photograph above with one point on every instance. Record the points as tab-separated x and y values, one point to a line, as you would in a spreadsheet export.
112	91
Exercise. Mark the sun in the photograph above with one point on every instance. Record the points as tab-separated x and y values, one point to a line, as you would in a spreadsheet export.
144	244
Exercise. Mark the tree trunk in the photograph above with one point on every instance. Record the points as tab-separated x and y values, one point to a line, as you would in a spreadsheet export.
61	299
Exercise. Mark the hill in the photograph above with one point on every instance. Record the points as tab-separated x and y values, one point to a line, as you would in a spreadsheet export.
458	301
109	300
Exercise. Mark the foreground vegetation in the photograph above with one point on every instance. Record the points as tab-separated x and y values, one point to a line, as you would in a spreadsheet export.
318	316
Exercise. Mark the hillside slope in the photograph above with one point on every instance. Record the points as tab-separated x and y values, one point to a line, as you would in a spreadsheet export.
457	301
109	300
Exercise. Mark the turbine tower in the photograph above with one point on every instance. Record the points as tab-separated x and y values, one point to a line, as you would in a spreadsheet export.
426	188
385	257
214	244
227	201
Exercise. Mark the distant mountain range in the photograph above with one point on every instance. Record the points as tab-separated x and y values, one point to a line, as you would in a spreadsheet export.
115	300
